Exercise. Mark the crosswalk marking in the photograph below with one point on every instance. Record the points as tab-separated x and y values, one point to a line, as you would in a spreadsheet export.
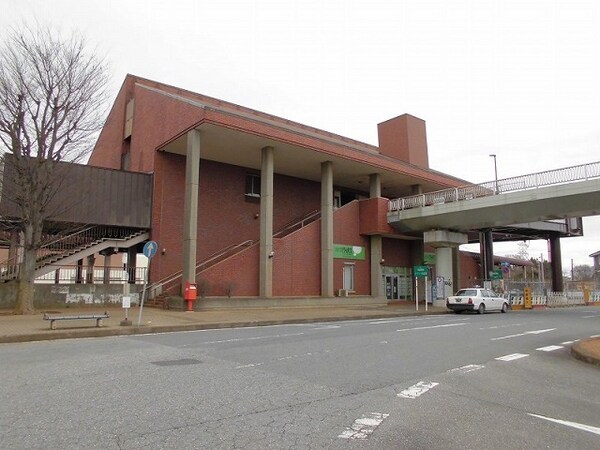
417	389
362	428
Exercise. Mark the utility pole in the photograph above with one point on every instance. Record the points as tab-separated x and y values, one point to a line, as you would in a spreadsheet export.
495	172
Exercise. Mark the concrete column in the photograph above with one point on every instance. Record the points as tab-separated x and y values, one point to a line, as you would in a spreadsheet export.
190	207
266	224
89	274
376	258
327	229
79	272
555	263
131	264
486	245
374	185
445	244
444	268
376	242
107	264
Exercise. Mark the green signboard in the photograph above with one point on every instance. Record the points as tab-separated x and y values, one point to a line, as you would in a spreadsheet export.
429	259
421	271
349	252
496	274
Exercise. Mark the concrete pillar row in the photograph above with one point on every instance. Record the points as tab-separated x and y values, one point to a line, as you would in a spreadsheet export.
327	229
190	207
266	223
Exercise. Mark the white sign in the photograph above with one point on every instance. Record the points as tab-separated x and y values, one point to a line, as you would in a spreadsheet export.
126	302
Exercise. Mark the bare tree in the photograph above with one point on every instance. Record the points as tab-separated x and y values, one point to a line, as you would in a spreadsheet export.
52	102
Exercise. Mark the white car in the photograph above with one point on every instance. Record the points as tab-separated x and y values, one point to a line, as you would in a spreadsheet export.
476	299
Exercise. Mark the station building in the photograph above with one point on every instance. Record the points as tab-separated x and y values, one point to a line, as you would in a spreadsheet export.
247	204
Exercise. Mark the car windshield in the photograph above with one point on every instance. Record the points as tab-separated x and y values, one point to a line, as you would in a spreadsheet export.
467	292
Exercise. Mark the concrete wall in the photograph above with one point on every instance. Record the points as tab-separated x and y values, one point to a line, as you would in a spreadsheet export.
54	295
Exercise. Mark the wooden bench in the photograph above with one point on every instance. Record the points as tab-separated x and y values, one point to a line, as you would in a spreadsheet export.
97	317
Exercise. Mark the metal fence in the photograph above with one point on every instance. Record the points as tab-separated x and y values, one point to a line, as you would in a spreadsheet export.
520	183
109	275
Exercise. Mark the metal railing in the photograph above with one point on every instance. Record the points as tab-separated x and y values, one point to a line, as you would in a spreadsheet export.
170	283
565	175
72	274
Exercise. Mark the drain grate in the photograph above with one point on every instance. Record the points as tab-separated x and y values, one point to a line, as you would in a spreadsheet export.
177	362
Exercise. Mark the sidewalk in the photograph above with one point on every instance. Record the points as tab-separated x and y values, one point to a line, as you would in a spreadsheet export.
34	328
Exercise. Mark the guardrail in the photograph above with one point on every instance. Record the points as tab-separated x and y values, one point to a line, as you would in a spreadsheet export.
581	172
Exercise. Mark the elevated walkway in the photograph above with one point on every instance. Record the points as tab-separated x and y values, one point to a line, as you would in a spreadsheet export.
558	194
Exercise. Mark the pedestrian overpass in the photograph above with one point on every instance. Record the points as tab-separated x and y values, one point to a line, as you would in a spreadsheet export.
545	204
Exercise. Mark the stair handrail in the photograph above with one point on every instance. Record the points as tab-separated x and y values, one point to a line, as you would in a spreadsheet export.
179	274
166	281
297	222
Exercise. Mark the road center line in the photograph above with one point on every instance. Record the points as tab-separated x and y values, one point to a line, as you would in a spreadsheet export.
255	338
579	426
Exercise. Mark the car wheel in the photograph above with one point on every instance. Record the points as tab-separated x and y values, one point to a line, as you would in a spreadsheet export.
481	308
504	307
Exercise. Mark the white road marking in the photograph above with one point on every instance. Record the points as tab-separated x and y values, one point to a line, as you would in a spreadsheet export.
595	335
567	342
383	342
326	327
418	389
256	338
579	426
512	357
404	319
249	365
466	369
502	326
590	317
362	428
522	334
432	326
549	348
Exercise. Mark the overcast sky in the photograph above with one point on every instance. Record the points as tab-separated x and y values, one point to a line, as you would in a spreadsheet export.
520	79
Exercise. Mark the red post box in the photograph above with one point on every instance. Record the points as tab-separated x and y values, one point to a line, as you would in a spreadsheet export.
190	294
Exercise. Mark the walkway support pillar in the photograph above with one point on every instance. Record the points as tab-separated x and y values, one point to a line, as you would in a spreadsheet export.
376	242
327	229
444	243
190	208
555	263
486	246
266	224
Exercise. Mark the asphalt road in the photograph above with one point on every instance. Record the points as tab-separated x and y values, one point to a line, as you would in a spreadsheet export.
497	381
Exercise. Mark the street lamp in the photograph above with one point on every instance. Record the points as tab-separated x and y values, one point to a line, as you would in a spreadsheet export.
495	172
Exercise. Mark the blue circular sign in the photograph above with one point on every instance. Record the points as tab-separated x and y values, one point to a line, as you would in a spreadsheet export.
150	249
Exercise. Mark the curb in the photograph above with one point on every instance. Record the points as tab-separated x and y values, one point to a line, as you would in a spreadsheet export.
582	354
135	330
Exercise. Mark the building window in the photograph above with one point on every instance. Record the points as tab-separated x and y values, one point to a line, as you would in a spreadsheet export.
252	185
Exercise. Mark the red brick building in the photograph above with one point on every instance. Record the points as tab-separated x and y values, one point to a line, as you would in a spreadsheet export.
248	204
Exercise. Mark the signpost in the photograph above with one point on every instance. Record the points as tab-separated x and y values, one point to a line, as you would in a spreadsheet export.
150	249
420	272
